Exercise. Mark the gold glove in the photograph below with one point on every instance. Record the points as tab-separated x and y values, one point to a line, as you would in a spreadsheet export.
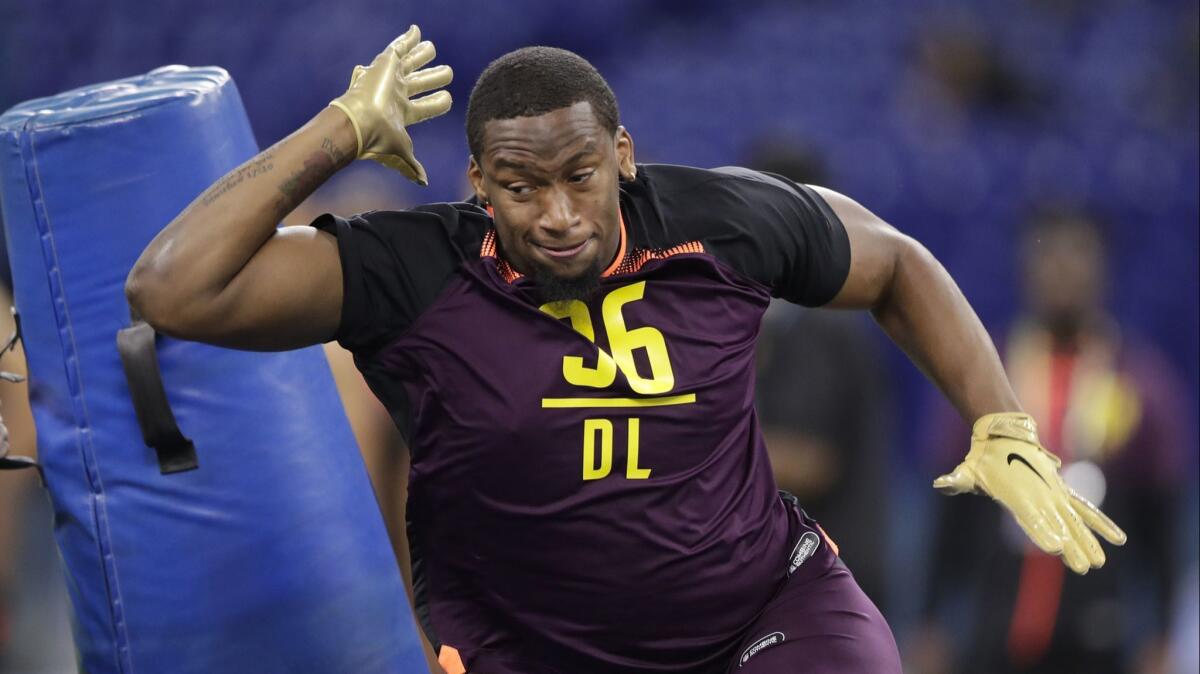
1008	463
380	105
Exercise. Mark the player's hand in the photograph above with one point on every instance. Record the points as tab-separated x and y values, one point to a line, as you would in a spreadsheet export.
1008	463
381	106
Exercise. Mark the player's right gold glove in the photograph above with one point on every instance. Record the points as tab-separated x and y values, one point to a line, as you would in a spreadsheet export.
380	106
1008	463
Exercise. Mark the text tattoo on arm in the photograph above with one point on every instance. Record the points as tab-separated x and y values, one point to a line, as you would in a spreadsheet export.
317	168
259	166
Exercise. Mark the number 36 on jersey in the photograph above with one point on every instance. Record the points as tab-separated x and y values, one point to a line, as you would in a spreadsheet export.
623	342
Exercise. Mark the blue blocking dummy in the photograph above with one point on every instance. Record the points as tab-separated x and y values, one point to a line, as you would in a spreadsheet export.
271	555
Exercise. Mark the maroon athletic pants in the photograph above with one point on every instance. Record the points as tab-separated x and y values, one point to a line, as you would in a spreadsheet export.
823	626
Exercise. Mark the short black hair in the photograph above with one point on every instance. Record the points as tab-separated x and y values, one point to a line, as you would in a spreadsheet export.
533	81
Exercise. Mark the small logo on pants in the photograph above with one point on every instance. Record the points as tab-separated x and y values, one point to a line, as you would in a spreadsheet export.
804	549
772	639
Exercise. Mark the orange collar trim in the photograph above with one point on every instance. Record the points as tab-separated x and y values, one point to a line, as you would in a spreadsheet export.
620	251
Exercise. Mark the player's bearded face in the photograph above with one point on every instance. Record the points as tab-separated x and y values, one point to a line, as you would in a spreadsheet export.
552	182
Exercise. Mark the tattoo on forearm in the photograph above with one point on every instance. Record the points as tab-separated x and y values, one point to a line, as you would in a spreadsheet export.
317	168
260	165
335	153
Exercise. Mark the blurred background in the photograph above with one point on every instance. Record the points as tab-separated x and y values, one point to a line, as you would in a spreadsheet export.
1046	152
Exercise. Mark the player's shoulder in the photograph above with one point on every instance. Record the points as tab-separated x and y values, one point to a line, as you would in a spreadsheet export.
763	226
459	226
718	192
697	203
395	264
675	181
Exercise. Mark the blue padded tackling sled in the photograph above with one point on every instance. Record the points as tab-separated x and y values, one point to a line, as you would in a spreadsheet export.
271	555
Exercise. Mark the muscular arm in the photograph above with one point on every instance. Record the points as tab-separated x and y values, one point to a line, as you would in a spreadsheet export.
920	307
221	272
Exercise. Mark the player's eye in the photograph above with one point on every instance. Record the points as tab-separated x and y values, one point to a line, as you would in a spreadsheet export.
582	176
519	188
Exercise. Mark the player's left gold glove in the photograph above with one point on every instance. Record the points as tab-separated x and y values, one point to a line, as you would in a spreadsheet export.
1008	463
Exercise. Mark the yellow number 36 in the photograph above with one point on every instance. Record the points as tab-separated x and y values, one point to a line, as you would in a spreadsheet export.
621	340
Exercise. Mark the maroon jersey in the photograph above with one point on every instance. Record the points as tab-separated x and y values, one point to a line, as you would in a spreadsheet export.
589	489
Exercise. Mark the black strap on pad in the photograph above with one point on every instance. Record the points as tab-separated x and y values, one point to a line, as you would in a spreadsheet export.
139	358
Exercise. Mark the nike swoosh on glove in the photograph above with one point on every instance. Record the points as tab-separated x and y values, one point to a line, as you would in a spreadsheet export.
1008	463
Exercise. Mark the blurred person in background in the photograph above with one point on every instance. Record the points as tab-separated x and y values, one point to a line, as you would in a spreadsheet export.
382	447
824	404
1112	408
12	484
387	460
34	630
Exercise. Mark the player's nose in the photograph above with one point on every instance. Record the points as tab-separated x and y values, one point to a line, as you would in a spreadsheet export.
559	214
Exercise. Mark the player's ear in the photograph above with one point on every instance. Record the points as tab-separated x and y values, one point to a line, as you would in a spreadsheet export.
624	145
475	175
